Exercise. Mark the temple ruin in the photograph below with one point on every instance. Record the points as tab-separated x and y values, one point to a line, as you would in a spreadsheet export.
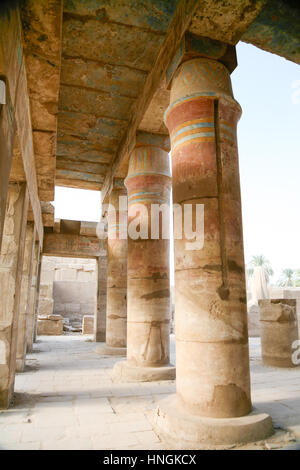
95	95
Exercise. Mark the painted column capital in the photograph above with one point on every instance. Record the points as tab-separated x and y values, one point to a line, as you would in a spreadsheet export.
199	78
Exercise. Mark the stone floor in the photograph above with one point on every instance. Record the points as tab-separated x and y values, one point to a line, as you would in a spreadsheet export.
66	400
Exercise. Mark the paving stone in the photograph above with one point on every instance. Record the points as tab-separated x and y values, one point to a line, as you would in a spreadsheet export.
71	402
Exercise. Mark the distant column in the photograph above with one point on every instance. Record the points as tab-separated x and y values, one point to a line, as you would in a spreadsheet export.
37	298
25	297
32	300
100	319
116	302
148	328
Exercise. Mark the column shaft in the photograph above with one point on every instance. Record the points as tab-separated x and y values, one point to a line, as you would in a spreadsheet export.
100	320
148	285
25	297
37	297
212	356
11	263
213	376
116	293
148	262
32	299
116	316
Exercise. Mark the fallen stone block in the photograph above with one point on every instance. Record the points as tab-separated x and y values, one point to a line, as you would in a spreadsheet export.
49	327
279	331
87	324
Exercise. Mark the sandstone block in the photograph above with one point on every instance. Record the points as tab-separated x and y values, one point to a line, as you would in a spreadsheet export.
49	327
46	290
45	306
279	331
87	324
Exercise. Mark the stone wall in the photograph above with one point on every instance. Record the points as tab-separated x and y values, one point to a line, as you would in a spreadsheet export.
68	288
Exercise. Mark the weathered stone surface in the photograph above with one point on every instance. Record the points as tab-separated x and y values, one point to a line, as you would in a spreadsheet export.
254	325
276	29
7	136
24	297
46	290
45	306
225	21
210	303
6	386
100	321
116	313
148	284
88	324
181	20
47	214
55	317
279	330
180	431
210	291
33	298
47	326
16	114
63	244
42	49
11	261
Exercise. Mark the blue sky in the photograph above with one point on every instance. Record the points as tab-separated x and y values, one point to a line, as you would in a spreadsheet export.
268	138
268	89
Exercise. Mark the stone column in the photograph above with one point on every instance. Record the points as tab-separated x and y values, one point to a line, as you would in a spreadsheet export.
11	266
25	297
213	402
116	302
37	298
100	318
32	299
148	326
279	331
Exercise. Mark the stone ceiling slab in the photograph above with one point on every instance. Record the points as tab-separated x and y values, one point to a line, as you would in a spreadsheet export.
84	151
153	120
42	28
84	167
100	104
277	29
111	43
154	15
89	127
225	21
112	79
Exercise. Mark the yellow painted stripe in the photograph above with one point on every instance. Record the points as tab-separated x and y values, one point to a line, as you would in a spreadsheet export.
189	123
190	132
193	141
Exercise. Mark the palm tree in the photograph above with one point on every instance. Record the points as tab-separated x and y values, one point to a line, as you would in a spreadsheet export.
249	272
297	278
260	260
287	278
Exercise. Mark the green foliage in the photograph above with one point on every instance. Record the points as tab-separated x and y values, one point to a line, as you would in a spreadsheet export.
289	278
260	260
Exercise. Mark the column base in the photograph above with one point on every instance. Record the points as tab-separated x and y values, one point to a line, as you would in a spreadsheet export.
123	372
105	350
181	430
6	397
99	337
20	365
